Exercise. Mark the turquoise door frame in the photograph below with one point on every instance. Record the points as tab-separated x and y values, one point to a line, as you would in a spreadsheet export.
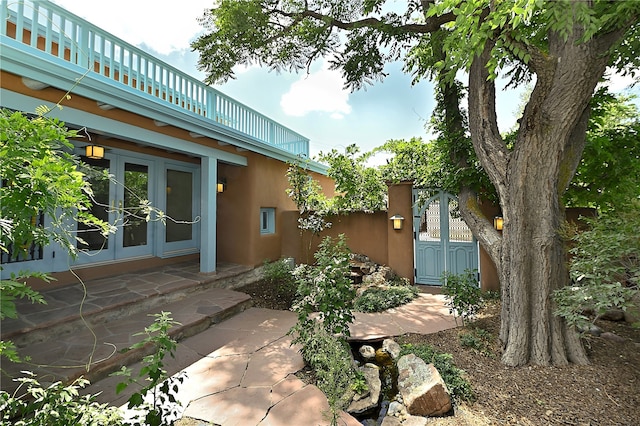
442	241
140	241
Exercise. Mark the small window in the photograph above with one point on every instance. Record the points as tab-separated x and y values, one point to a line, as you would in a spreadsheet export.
267	220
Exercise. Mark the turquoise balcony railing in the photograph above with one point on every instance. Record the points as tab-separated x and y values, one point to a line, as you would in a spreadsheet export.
51	29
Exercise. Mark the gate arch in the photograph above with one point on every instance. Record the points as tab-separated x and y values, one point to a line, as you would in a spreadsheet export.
442	241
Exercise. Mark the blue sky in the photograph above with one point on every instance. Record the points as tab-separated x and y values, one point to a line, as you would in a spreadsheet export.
313	104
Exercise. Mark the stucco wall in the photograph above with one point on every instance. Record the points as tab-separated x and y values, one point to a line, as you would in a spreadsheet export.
262	183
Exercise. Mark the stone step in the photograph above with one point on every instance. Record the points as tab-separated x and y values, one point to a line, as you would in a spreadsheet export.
64	346
71	307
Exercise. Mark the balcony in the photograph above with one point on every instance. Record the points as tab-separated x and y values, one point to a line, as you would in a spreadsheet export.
41	29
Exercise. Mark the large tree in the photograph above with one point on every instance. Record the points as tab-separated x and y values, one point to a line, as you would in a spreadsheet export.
564	46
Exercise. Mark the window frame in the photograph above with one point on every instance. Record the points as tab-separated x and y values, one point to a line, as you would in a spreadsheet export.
268	227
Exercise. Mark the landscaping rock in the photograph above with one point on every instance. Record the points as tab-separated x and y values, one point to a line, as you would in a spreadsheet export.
613	315
371	400
612	337
391	347
423	391
391	421
395	409
414	421
367	352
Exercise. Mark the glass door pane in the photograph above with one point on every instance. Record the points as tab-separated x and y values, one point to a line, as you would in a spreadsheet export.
136	196
179	206
92	239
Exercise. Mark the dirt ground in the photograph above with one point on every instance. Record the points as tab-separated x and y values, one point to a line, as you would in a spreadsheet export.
606	392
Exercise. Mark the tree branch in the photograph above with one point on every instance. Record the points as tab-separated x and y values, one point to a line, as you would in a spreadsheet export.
483	121
430	25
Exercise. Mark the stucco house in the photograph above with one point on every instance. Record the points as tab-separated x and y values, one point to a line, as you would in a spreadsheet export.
215	166
194	153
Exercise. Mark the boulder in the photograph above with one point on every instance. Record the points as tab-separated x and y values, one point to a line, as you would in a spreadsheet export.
371	400
613	315
367	352
612	337
391	421
414	421
422	389
391	347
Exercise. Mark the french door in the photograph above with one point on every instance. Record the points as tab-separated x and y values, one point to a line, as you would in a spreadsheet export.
120	200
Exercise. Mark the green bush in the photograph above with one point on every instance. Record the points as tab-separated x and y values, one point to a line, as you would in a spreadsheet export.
605	268
280	272
464	297
155	403
330	359
324	288
478	339
55	405
377	299
459	387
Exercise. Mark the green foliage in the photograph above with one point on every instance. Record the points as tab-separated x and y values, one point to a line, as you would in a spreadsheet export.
478	339
41	176
55	405
609	251
358	186
330	359
609	173
464	297
15	288
280	272
156	400
324	288
575	303
453	377
305	192
377	299
605	266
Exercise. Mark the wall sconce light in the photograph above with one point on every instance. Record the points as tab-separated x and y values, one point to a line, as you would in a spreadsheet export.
498	223
221	185
94	152
397	220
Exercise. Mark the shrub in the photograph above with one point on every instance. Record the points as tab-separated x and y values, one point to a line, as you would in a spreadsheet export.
56	405
605	267
464	297
280	272
478	339
377	299
156	401
326	289
459	387
330	359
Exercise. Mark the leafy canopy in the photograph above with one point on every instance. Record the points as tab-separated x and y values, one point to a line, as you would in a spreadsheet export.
291	34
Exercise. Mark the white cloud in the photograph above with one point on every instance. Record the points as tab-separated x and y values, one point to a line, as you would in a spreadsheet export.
159	24
618	83
318	91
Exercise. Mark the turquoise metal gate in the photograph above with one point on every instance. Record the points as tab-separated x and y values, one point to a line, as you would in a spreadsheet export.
443	242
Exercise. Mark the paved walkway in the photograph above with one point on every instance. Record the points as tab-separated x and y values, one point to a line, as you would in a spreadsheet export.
239	363
241	371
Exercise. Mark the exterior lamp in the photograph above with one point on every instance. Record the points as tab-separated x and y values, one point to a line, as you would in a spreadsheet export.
397	220
221	185
94	152
498	223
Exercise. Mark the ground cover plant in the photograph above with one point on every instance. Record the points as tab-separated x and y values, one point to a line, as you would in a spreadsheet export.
378	299
601	393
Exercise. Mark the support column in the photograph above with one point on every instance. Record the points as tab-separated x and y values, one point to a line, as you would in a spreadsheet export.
208	222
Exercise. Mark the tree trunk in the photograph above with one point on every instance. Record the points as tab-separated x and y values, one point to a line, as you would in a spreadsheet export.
530	179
